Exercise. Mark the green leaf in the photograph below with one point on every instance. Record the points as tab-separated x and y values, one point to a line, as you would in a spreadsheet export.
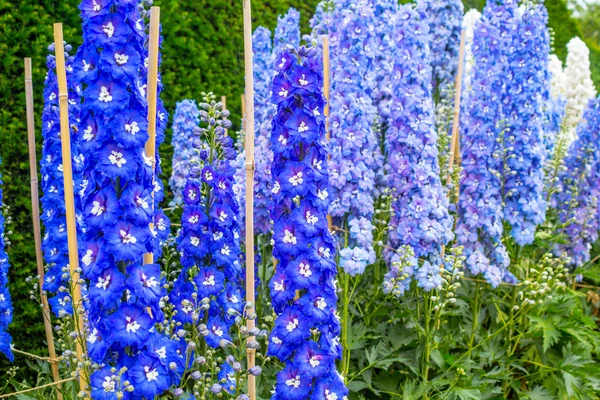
550	334
468	394
539	393
356	386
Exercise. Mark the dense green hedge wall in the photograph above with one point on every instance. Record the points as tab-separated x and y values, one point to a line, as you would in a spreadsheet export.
203	51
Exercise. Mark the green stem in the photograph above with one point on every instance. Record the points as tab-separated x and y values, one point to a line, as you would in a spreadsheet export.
476	308
427	344
346	325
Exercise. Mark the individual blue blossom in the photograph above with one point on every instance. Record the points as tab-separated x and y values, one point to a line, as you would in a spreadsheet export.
120	195
54	242
209	241
185	119
420	217
445	26
578	198
480	207
303	245
6	308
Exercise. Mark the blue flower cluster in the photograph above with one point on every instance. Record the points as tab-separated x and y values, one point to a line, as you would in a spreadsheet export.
526	80
305	335
287	32
54	243
420	217
209	241
119	194
185	119
263	155
445	26
353	143
480	226
578	201
6	308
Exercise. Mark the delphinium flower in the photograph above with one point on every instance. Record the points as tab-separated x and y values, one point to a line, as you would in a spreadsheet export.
305	335
6	308
578	199
287	31
54	243
526	82
185	119
353	143
480	213
206	296
420	216
123	303
445	26
579	88
263	116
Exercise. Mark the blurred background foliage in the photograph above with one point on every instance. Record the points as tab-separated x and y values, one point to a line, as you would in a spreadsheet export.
203	51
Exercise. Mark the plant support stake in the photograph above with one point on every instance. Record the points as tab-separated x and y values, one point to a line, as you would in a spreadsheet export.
152	95
455	123
35	214
249	124
65	139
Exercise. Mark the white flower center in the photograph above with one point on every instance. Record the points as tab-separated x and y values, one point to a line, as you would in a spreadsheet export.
217	331
117	158
303	127
121	59
283	92
276	340
222	216
193	219
162	352
281	139
151	375
279	287
322	194
98	209
195	241
141	202
305	270
132	325
314	362
127	238
289	237
87	259
296	179
104	95
109	29
103	282
132	128
292	325
311	219
321	304
225	250
295	382
303	80
209	281
87	134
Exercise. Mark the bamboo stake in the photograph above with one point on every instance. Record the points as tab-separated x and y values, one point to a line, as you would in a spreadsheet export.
35	214
243	96
249	122
327	93
224	101
65	139
455	122
152	96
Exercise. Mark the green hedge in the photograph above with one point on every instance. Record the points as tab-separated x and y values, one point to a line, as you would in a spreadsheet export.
203	51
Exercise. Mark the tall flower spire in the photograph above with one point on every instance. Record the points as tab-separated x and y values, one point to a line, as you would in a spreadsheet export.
287	32
353	142
123	302
305	335
480	209
420	216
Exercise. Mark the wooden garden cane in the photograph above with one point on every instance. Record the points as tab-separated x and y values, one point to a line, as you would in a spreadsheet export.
152	96
457	96
35	214
249	123
243	96
65	139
